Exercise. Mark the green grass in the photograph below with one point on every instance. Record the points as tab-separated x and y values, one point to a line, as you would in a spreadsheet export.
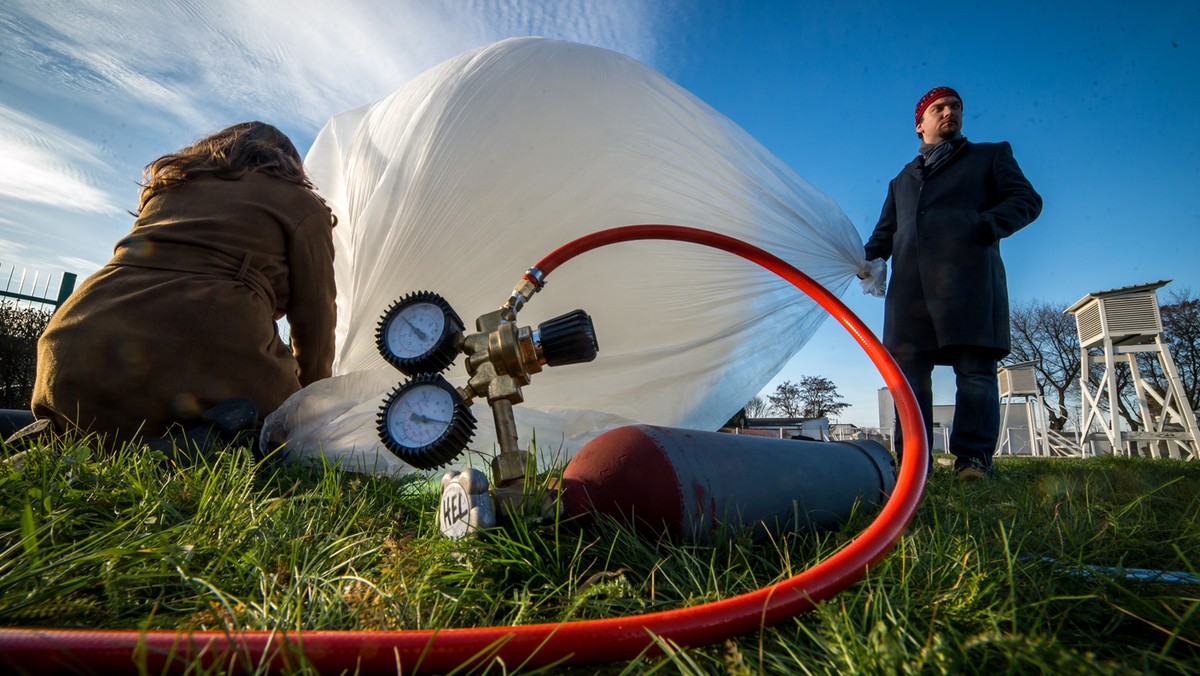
1010	575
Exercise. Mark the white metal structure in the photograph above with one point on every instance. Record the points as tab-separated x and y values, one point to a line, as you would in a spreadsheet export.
1018	387
1120	324
38	291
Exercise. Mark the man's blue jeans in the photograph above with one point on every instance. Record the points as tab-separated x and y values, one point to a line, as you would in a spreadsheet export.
976	426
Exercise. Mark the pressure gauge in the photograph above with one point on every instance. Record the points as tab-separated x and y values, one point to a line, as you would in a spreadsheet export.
418	333
425	422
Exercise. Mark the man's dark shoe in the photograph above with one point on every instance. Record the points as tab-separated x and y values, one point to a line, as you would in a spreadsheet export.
969	473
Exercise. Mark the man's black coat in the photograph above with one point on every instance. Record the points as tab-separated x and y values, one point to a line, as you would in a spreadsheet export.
942	233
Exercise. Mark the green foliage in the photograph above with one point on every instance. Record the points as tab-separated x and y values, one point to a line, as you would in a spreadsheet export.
19	331
1020	574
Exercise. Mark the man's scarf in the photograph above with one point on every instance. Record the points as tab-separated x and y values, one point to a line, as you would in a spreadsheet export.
936	154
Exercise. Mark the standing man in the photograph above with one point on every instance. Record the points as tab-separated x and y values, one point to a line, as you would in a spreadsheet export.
947	302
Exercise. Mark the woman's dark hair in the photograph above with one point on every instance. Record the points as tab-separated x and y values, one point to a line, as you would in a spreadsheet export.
229	153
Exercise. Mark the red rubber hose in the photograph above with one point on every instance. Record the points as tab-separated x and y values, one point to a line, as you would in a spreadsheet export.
538	645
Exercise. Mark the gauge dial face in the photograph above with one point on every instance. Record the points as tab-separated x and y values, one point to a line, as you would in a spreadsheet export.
420	415
425	422
419	333
415	330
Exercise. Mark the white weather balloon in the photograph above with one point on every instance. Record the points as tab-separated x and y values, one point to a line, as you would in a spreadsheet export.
474	170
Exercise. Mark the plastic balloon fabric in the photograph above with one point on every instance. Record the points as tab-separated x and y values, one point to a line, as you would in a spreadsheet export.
468	174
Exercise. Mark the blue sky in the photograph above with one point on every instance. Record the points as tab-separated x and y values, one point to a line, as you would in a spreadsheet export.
1097	98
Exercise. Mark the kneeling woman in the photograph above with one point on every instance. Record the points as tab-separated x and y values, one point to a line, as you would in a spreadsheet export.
230	237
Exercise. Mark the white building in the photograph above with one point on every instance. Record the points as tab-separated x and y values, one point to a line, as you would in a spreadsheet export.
815	429
1015	436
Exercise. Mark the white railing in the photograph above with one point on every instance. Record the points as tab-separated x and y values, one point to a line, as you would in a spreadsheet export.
25	289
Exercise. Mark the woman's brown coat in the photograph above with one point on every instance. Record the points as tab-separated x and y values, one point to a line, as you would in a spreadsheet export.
183	316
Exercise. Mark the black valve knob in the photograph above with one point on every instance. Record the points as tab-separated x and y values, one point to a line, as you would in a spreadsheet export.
568	339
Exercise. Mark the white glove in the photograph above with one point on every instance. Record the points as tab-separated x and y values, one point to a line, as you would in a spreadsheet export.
874	277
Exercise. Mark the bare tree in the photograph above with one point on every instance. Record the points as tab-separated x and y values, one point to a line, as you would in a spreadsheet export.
757	407
1181	334
814	397
820	397
1041	331
786	400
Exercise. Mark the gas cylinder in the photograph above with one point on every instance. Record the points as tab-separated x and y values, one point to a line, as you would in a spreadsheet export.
694	484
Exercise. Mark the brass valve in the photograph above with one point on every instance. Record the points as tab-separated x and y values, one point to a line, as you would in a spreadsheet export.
501	357
427	422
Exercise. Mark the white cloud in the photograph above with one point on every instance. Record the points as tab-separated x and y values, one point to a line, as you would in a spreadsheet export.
95	89
160	73
305	60
626	26
43	164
